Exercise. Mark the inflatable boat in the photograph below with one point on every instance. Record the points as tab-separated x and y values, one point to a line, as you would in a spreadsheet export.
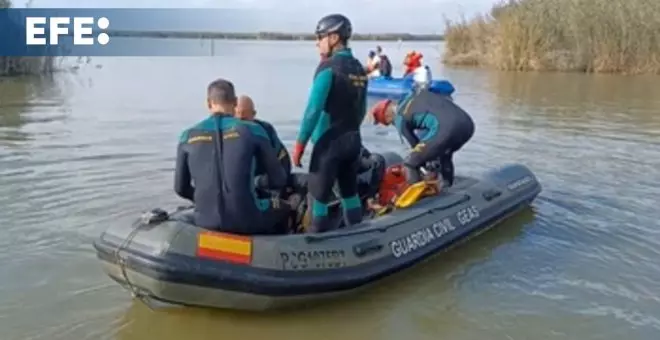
166	258
397	88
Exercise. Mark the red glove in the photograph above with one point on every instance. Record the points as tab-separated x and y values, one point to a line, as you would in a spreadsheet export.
298	151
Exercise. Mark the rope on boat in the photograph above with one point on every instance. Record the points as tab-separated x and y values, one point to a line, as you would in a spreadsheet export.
148	220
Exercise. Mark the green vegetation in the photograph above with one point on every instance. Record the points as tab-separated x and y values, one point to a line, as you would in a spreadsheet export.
271	36
16	66
608	36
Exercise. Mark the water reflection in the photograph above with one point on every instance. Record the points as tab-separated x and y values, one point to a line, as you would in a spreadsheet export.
422	300
571	89
584	101
26	100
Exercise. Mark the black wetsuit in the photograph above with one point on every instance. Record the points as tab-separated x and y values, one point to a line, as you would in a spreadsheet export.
335	111
223	172
282	156
446	127
385	66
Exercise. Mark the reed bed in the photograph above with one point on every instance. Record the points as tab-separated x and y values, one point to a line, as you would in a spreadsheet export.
600	36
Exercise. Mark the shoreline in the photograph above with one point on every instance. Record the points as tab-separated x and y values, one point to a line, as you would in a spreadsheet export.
275	36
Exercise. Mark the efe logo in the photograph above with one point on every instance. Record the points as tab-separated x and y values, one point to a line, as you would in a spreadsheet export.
82	30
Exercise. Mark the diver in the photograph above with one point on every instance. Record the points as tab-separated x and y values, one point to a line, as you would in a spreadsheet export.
445	128
411	62
245	110
332	119
219	155
373	65
384	64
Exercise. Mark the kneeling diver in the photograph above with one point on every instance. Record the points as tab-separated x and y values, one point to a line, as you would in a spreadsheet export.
446	128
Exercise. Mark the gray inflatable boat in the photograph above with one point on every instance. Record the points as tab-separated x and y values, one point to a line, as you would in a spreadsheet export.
171	260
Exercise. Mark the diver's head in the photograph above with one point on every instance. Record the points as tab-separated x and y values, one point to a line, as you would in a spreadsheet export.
332	33
245	108
383	112
221	97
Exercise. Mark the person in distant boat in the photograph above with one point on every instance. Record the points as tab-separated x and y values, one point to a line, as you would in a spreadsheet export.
422	76
219	155
445	127
332	120
245	110
373	63
384	64
370	57
411	62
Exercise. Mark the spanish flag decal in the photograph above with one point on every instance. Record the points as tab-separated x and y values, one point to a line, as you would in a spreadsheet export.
224	247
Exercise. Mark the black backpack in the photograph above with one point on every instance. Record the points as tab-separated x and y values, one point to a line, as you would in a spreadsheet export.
385	67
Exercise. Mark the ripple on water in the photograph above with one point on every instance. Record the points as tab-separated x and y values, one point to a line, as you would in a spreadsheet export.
595	213
57	196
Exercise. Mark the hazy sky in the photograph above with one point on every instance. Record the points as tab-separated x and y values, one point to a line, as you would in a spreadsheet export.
415	16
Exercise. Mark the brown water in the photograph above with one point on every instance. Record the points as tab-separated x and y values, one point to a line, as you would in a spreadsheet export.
83	151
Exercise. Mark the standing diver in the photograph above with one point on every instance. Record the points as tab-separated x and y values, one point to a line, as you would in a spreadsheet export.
215	168
445	125
335	110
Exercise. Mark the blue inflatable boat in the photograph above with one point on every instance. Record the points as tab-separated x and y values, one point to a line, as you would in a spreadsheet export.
397	88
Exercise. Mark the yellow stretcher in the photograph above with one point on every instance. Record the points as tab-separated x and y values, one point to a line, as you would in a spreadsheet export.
412	195
416	192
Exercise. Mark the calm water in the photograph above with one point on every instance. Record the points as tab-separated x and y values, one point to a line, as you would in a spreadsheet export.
84	151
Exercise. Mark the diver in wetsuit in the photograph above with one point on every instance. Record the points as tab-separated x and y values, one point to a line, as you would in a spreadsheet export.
446	128
335	110
245	110
219	155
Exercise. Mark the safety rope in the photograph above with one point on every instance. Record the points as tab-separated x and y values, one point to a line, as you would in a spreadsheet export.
147	220
122	262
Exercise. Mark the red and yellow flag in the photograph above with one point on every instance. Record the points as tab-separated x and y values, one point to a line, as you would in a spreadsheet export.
224	247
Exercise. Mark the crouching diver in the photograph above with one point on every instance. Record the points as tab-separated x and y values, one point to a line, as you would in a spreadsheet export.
219	155
335	110
445	128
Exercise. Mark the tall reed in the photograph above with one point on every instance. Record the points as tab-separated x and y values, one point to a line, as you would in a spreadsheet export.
613	36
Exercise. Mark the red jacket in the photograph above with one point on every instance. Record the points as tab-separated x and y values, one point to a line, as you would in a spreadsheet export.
412	62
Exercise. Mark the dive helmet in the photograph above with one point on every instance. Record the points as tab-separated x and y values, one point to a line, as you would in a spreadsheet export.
378	112
334	23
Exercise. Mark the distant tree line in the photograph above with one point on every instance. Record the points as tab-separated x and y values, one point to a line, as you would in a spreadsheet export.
272	35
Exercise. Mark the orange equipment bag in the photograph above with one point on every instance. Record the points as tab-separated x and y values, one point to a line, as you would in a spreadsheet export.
393	183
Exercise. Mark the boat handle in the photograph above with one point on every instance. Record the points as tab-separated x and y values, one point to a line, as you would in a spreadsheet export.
489	195
366	248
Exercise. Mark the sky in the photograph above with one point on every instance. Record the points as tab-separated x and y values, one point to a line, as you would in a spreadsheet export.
374	16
